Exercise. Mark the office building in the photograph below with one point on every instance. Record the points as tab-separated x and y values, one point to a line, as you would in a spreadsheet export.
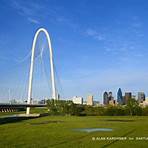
105	98
128	95
112	102
120	98
90	100
141	97
77	100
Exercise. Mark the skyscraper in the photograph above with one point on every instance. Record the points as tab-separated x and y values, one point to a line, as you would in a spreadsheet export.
90	100
128	95
105	98
110	96
120	99
141	97
77	100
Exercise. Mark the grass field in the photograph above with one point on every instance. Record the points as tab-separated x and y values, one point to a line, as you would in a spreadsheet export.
58	132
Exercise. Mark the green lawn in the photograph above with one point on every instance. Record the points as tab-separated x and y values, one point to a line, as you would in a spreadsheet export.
57	131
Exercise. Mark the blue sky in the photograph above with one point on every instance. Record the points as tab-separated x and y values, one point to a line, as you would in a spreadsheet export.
99	45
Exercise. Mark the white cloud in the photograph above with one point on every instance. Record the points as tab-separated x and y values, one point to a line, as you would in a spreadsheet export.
33	20
94	34
29	10
35	12
91	32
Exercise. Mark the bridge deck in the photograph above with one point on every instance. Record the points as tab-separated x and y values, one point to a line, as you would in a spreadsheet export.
2	105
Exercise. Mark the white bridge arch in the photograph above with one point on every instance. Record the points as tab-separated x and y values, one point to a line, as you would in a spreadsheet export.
54	96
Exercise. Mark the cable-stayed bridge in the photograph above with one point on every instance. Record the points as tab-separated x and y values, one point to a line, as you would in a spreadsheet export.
51	77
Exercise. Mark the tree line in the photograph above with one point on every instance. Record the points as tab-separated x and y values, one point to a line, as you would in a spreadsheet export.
63	107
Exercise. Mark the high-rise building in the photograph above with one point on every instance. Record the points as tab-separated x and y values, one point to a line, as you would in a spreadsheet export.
77	100
141	97
110	96
120	99
105	98
90	100
128	95
112	102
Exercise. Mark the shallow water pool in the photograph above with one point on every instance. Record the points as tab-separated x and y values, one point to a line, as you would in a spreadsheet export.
89	130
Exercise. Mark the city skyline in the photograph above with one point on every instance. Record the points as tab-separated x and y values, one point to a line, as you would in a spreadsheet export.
94	51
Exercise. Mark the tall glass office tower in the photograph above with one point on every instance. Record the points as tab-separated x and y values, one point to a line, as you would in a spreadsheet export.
120	97
105	98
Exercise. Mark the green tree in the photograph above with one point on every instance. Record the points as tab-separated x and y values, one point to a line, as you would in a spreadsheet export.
133	107
60	107
145	111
